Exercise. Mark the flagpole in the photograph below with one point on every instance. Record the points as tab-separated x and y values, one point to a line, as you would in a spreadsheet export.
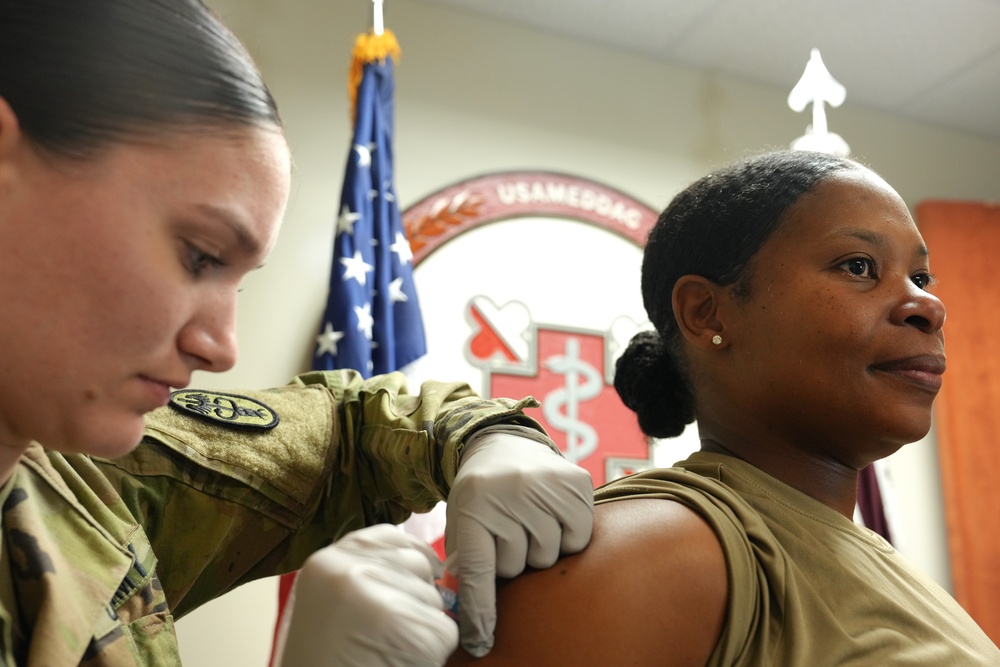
377	22
372	47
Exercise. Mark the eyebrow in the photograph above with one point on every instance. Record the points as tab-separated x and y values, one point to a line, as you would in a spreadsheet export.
244	238
874	238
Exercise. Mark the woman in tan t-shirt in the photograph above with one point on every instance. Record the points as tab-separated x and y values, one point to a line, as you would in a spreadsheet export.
795	320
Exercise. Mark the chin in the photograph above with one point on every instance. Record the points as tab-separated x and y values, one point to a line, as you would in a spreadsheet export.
106	438
121	444
917	431
904	438
903	424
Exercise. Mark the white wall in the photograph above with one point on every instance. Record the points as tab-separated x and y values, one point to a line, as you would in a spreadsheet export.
476	96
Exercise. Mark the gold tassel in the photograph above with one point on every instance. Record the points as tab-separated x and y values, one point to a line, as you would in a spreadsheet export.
368	48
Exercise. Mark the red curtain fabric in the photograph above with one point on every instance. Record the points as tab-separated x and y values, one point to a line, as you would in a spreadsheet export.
870	503
964	243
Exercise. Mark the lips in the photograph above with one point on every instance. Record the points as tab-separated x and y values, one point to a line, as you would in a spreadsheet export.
158	390
923	370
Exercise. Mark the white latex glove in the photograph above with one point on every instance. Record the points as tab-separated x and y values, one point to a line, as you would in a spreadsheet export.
369	600
515	502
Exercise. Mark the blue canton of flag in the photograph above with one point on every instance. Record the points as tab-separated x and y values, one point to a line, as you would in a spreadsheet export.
372	321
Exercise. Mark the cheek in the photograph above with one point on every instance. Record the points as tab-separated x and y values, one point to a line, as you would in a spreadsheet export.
134	298
828	319
807	331
150	309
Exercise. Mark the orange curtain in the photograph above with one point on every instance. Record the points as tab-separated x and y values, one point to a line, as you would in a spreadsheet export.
964	243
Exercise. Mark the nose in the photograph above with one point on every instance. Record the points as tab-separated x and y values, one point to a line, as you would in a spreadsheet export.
920	309
208	340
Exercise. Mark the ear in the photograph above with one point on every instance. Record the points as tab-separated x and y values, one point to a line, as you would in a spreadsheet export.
696	302
11	136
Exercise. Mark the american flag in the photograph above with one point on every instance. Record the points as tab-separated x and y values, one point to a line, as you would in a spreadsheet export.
372	320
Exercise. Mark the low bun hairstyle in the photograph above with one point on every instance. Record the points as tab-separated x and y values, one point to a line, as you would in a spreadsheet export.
713	228
84	74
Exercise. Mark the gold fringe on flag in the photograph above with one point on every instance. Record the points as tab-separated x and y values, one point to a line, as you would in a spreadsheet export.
369	48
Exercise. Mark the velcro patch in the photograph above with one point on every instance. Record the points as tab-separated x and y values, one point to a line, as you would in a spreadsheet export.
229	409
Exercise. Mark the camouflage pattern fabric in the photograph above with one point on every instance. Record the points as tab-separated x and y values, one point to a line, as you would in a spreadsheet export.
99	556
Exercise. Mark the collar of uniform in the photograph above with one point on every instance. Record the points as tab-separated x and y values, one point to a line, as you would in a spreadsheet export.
64	564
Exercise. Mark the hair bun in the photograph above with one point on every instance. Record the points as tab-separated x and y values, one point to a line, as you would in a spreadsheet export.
651	385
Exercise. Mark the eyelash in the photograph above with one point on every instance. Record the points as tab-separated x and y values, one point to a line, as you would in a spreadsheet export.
928	279
869	265
923	276
197	260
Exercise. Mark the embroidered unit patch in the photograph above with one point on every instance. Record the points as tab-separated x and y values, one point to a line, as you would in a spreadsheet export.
229	409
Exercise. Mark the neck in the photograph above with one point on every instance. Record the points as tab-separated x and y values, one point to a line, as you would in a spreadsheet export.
8	462
830	482
11	450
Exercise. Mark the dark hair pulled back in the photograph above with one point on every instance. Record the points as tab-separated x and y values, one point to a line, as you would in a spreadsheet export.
83	74
713	228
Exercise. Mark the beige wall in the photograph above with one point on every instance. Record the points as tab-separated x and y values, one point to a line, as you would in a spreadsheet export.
475	96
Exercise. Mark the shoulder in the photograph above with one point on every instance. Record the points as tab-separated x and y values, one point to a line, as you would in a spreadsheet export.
652	585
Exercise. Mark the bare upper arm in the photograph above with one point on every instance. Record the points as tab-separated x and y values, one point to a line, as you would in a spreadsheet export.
650	589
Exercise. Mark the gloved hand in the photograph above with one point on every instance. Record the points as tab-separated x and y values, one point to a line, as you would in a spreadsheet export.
515	501
368	599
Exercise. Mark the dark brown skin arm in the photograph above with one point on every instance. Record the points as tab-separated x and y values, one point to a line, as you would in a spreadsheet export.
650	589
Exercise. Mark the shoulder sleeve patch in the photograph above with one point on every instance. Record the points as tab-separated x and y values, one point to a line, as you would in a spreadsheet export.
231	410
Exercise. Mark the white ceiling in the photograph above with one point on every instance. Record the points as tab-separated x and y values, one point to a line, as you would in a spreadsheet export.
929	60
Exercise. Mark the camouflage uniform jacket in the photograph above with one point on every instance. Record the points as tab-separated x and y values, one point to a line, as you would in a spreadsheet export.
99	556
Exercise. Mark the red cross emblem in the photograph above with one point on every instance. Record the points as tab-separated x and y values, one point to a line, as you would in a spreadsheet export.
570	371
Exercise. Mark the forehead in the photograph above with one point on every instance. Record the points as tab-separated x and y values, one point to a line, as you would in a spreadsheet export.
852	200
241	176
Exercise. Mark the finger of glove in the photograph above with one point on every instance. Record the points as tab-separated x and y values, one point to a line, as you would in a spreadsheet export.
351	575
511	542
501	498
557	517
544	543
394	546
418	632
451	520
416	561
386	581
391	629
566	493
380	536
410	631
476	569
577	520
333	624
378	654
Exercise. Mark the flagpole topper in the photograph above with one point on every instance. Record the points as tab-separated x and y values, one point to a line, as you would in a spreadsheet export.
818	87
377	18
369	47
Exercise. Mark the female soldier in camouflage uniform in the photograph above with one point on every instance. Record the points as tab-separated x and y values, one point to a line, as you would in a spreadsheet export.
143	172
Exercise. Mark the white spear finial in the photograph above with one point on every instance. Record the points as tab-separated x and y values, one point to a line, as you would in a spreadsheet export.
377	22
817	86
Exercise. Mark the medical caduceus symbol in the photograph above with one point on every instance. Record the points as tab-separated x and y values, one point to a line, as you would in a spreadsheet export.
561	407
